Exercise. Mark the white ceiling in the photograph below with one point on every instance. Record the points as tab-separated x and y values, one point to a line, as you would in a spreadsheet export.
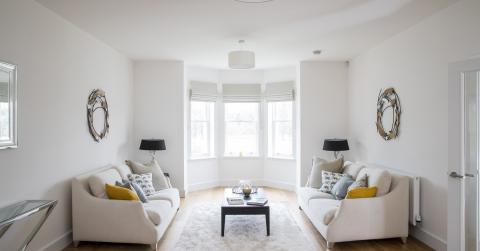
282	32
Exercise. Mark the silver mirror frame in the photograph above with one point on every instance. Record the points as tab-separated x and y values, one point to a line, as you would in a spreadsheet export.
12	100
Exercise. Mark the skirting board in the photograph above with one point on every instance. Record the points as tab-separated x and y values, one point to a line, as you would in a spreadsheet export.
226	183
203	185
60	243
428	238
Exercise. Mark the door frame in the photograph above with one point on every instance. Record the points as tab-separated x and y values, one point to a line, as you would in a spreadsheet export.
456	151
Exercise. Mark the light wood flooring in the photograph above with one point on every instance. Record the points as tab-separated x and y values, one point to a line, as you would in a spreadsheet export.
274	195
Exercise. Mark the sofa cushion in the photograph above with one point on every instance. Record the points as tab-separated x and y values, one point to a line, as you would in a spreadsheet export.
319	165
98	180
156	209
361	181
144	181
362	192
352	169
377	177
134	187
124	170
158	178
120	193
306	194
171	195
380	178
324	209
339	190
329	180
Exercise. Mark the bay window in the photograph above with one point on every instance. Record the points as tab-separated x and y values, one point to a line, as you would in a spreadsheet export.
280	129
242	129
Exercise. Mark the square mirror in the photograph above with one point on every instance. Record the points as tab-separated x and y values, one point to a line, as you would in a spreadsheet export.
8	105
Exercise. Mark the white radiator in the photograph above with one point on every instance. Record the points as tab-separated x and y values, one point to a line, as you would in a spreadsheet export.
414	195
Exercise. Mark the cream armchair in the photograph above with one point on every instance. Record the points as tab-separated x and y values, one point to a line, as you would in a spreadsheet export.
104	220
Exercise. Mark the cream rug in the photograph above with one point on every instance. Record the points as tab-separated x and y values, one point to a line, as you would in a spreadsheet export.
242	232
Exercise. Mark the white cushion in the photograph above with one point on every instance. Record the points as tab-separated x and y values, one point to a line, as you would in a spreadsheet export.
124	170
97	182
381	179
306	194
352	169
156	209
319	165
171	195
158	178
325	209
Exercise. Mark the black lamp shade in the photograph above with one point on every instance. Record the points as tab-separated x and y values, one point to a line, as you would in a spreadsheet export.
336	145
153	144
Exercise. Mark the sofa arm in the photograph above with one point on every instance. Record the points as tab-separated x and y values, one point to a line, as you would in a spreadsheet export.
96	219
369	218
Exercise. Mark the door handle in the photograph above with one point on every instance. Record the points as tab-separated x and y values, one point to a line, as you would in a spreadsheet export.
456	175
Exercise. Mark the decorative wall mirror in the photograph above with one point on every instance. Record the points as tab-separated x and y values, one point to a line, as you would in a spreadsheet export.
97	114
388	114
8	105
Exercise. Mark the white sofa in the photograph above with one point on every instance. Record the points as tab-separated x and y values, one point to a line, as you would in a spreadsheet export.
384	216
104	220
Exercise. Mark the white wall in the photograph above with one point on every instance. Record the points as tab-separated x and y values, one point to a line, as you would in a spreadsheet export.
323	109
159	113
415	62
58	66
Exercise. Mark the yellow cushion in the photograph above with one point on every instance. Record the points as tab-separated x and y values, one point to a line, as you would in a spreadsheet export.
120	193
362	192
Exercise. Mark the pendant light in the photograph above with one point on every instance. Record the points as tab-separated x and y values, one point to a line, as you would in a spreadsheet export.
241	59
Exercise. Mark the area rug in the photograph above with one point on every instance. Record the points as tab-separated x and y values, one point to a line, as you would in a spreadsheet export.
242	232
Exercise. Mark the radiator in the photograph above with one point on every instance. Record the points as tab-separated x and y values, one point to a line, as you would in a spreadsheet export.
414	195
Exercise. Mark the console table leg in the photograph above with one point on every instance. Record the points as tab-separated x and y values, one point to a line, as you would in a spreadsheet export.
37	227
223	224
267	221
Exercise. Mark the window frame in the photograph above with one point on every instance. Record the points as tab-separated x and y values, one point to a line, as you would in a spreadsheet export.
271	139
210	124
258	154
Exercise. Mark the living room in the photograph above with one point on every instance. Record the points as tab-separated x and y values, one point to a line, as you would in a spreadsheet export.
227	98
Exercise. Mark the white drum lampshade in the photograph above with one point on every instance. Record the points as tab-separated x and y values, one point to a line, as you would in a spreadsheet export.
241	59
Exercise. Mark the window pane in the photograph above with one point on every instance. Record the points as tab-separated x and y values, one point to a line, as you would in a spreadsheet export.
283	138
280	129
202	129
199	110
241	129
199	134
241	139
241	111
283	110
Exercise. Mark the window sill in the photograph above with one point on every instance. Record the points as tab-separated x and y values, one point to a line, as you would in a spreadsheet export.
202	158
280	158
242	157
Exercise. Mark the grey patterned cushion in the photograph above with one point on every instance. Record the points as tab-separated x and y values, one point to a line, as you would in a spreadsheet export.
329	180
134	187
144	181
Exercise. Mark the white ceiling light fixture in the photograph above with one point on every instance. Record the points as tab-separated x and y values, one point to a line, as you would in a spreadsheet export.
241	59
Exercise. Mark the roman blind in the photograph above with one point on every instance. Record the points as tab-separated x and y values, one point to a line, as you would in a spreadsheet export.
203	91
233	93
4	92
280	91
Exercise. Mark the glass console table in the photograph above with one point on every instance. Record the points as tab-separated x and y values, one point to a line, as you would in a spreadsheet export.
20	210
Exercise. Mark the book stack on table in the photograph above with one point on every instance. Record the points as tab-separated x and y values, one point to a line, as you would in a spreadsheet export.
257	202
235	200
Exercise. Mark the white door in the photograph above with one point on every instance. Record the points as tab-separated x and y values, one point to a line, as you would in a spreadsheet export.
464	135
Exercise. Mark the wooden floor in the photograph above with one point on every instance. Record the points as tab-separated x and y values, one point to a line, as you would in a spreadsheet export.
274	195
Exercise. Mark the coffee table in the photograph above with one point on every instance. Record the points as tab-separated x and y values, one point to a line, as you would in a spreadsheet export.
245	209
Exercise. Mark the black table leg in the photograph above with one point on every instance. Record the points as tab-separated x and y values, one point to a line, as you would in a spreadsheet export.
267	221
223	223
